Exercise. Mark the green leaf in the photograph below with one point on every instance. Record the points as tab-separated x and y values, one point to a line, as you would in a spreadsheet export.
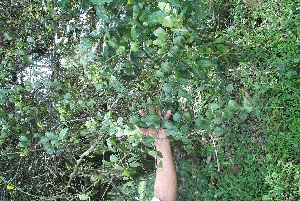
156	18
134	164
67	96
160	74
134	46
243	115
168	22
23	138
100	2
218	131
121	49
30	39
113	158
214	106
51	135
205	63
188	117
166	67
101	12
83	197
160	32
247	104
128	70
176	117
167	87
9	36
168	125
232	105
126	173
217	121
133	33
229	88
62	133
164	6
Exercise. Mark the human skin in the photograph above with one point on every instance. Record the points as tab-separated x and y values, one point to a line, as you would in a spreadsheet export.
165	187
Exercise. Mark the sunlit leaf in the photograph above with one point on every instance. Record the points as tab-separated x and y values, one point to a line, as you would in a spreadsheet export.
134	46
168	22
10	187
160	32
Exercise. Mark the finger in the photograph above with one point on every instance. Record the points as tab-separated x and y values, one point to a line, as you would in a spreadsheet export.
144	131
151	108
159	112
141	112
167	116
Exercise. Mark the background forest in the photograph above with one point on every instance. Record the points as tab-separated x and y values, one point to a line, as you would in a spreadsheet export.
74	74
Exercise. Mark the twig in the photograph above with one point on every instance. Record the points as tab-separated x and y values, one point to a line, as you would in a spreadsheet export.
87	152
216	152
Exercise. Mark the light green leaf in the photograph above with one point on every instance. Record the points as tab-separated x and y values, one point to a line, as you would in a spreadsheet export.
133	33
229	88
160	74
214	106
23	138
62	133
188	116
167	87
156	18
51	135
134	46
247	104
30	39
100	2
168	22
35	85
128	70
121	49
160	32
126	173
134	164
164	6
83	197
113	158
67	96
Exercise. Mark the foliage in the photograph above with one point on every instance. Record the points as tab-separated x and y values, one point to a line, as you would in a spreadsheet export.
75	73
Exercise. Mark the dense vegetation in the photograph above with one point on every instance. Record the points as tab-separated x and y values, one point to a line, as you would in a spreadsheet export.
75	73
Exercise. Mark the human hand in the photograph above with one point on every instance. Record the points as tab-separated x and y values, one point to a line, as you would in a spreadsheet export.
151	131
